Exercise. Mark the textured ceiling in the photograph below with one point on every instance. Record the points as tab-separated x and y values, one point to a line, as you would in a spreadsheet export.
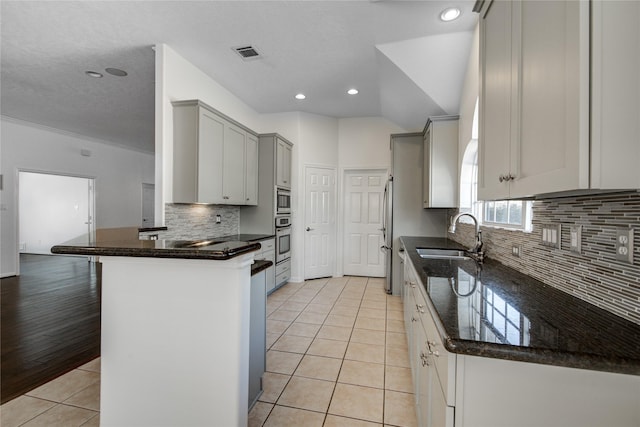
406	63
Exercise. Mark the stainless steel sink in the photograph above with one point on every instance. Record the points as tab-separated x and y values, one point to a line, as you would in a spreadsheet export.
442	253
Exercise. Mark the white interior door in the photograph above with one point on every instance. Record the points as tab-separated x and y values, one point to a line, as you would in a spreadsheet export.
52	210
148	205
363	208
319	215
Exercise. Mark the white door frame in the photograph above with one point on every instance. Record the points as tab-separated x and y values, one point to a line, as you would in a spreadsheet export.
92	204
344	171
332	259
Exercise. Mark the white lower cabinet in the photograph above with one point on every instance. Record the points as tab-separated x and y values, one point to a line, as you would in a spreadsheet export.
472	391
425	351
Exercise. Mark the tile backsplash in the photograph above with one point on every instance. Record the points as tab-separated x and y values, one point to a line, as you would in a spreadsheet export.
189	222
594	275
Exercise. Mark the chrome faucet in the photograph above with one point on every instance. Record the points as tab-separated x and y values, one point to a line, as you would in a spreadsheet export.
476	251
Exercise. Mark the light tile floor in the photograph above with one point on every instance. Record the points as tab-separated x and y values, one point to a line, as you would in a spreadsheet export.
337	356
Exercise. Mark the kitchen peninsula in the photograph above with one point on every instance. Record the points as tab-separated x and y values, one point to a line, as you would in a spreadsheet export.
175	330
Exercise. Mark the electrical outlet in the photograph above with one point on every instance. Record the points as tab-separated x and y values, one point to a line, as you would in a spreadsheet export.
624	244
551	235
516	250
575	238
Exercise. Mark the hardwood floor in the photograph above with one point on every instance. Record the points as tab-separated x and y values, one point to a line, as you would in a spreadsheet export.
50	321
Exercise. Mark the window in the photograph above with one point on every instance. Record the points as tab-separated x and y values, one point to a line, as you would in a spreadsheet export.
505	213
501	213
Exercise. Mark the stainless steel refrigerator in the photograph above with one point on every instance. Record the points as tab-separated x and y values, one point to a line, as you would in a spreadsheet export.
404	214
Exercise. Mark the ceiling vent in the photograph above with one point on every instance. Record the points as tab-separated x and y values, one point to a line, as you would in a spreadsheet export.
247	52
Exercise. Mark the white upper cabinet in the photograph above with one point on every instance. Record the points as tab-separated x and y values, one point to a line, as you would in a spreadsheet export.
559	97
214	160
534	78
615	95
283	164
440	172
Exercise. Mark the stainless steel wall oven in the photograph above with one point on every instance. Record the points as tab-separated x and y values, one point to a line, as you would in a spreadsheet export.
283	238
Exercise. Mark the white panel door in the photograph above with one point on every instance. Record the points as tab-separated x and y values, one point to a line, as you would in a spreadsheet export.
319	222
363	207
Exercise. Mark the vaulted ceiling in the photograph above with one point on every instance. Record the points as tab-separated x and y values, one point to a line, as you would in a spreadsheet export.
406	63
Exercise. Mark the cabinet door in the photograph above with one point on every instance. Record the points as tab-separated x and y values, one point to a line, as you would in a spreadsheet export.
550	131
615	145
211	139
422	383
251	168
283	164
409	314
495	100
440	174
440	415
233	165
426	172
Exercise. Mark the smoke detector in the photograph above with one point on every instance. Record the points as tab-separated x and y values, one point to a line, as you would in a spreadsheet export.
247	52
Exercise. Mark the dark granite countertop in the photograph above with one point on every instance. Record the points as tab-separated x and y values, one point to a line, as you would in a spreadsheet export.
491	310
247	237
259	266
215	249
148	229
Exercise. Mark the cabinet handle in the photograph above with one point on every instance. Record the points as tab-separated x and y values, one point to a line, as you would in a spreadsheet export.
413	319
432	345
425	360
225	197
247	199
506	178
420	307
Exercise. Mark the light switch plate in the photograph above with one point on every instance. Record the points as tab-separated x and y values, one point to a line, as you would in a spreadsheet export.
624	244
575	238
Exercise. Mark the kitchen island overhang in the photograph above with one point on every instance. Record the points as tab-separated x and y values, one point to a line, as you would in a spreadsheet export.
175	331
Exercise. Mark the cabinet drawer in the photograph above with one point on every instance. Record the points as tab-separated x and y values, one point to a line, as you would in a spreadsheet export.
269	256
283	278
283	267
268	245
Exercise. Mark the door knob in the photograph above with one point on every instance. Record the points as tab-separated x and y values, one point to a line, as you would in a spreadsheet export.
309	228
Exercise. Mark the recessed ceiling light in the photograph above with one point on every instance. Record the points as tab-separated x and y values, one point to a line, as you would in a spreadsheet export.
95	74
449	14
352	91
116	72
300	96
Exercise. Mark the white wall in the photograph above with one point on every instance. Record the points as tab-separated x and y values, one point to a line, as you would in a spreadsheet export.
364	142
470	92
119	176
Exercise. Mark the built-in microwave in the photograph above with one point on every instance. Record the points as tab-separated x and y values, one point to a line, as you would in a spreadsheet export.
283	201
